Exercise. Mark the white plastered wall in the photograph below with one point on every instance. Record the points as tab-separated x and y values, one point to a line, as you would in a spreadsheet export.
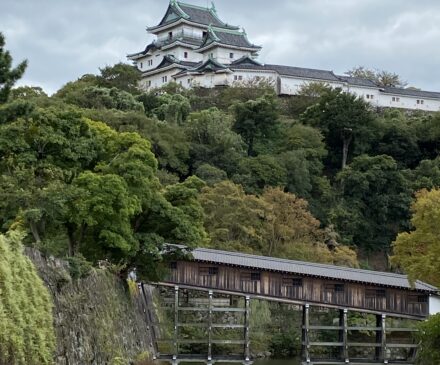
434	304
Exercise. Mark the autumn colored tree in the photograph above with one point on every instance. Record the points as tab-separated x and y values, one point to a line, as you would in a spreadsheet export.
417	252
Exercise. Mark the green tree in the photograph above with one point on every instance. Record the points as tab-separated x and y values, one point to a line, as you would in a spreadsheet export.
375	199
26	325
256	120
429	336
91	190
121	76
346	122
418	252
256	173
212	141
173	108
8	74
380	77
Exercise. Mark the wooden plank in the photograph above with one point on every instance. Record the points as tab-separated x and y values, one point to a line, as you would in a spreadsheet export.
220	325
364	344
402	345
220	309
193	309
326	344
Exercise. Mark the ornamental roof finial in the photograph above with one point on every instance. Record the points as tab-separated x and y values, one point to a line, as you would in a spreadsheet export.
173	2
213	9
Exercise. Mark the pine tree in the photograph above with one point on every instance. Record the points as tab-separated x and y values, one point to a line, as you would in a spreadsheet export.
8	75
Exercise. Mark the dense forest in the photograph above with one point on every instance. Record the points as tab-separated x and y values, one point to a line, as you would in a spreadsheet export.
101	170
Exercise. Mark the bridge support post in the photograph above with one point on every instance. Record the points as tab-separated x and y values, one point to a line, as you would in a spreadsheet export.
305	333
381	339
246	329
176	323
343	334
210	327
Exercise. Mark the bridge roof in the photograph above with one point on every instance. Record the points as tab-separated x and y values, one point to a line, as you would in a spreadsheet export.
309	269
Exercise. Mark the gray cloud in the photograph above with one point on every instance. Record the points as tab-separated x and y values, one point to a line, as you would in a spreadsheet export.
63	39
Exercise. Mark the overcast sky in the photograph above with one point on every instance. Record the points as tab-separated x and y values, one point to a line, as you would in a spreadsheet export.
64	39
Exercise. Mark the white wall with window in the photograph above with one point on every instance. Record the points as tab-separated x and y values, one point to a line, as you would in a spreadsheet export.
225	55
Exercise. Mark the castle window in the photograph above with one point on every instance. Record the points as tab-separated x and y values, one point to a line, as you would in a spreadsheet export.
396	99
185	54
240	77
149	83
142	65
231	55
235	77
420	101
164	79
150	62
170	35
189	81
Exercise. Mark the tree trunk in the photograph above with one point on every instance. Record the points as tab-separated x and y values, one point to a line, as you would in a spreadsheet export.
71	239
347	136
35	233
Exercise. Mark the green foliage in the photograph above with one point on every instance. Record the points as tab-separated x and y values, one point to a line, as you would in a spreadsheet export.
8	75
258	172
172	108
429	336
79	267
256	120
375	201
26	329
212	141
418	252
121	76
344	120
380	77
210	174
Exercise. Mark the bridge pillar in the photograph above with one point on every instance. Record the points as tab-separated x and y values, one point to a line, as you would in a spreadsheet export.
305	333
176	324
381	339
246	329
343	334
210	327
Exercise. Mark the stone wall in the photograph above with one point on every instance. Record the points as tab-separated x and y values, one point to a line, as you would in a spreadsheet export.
97	320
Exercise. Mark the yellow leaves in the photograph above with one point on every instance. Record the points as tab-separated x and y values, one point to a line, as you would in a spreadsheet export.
418	252
26	328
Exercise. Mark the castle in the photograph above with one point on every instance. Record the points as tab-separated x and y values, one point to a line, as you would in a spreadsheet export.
194	47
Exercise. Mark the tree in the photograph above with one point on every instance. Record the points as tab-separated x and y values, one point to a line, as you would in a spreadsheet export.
8	75
276	224
26	325
173	108
375	198
418	252
429	336
256	173
81	187
346	122
212	141
380	77
121	76
256	119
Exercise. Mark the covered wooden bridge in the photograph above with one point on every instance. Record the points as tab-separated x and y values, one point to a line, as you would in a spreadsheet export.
306	285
